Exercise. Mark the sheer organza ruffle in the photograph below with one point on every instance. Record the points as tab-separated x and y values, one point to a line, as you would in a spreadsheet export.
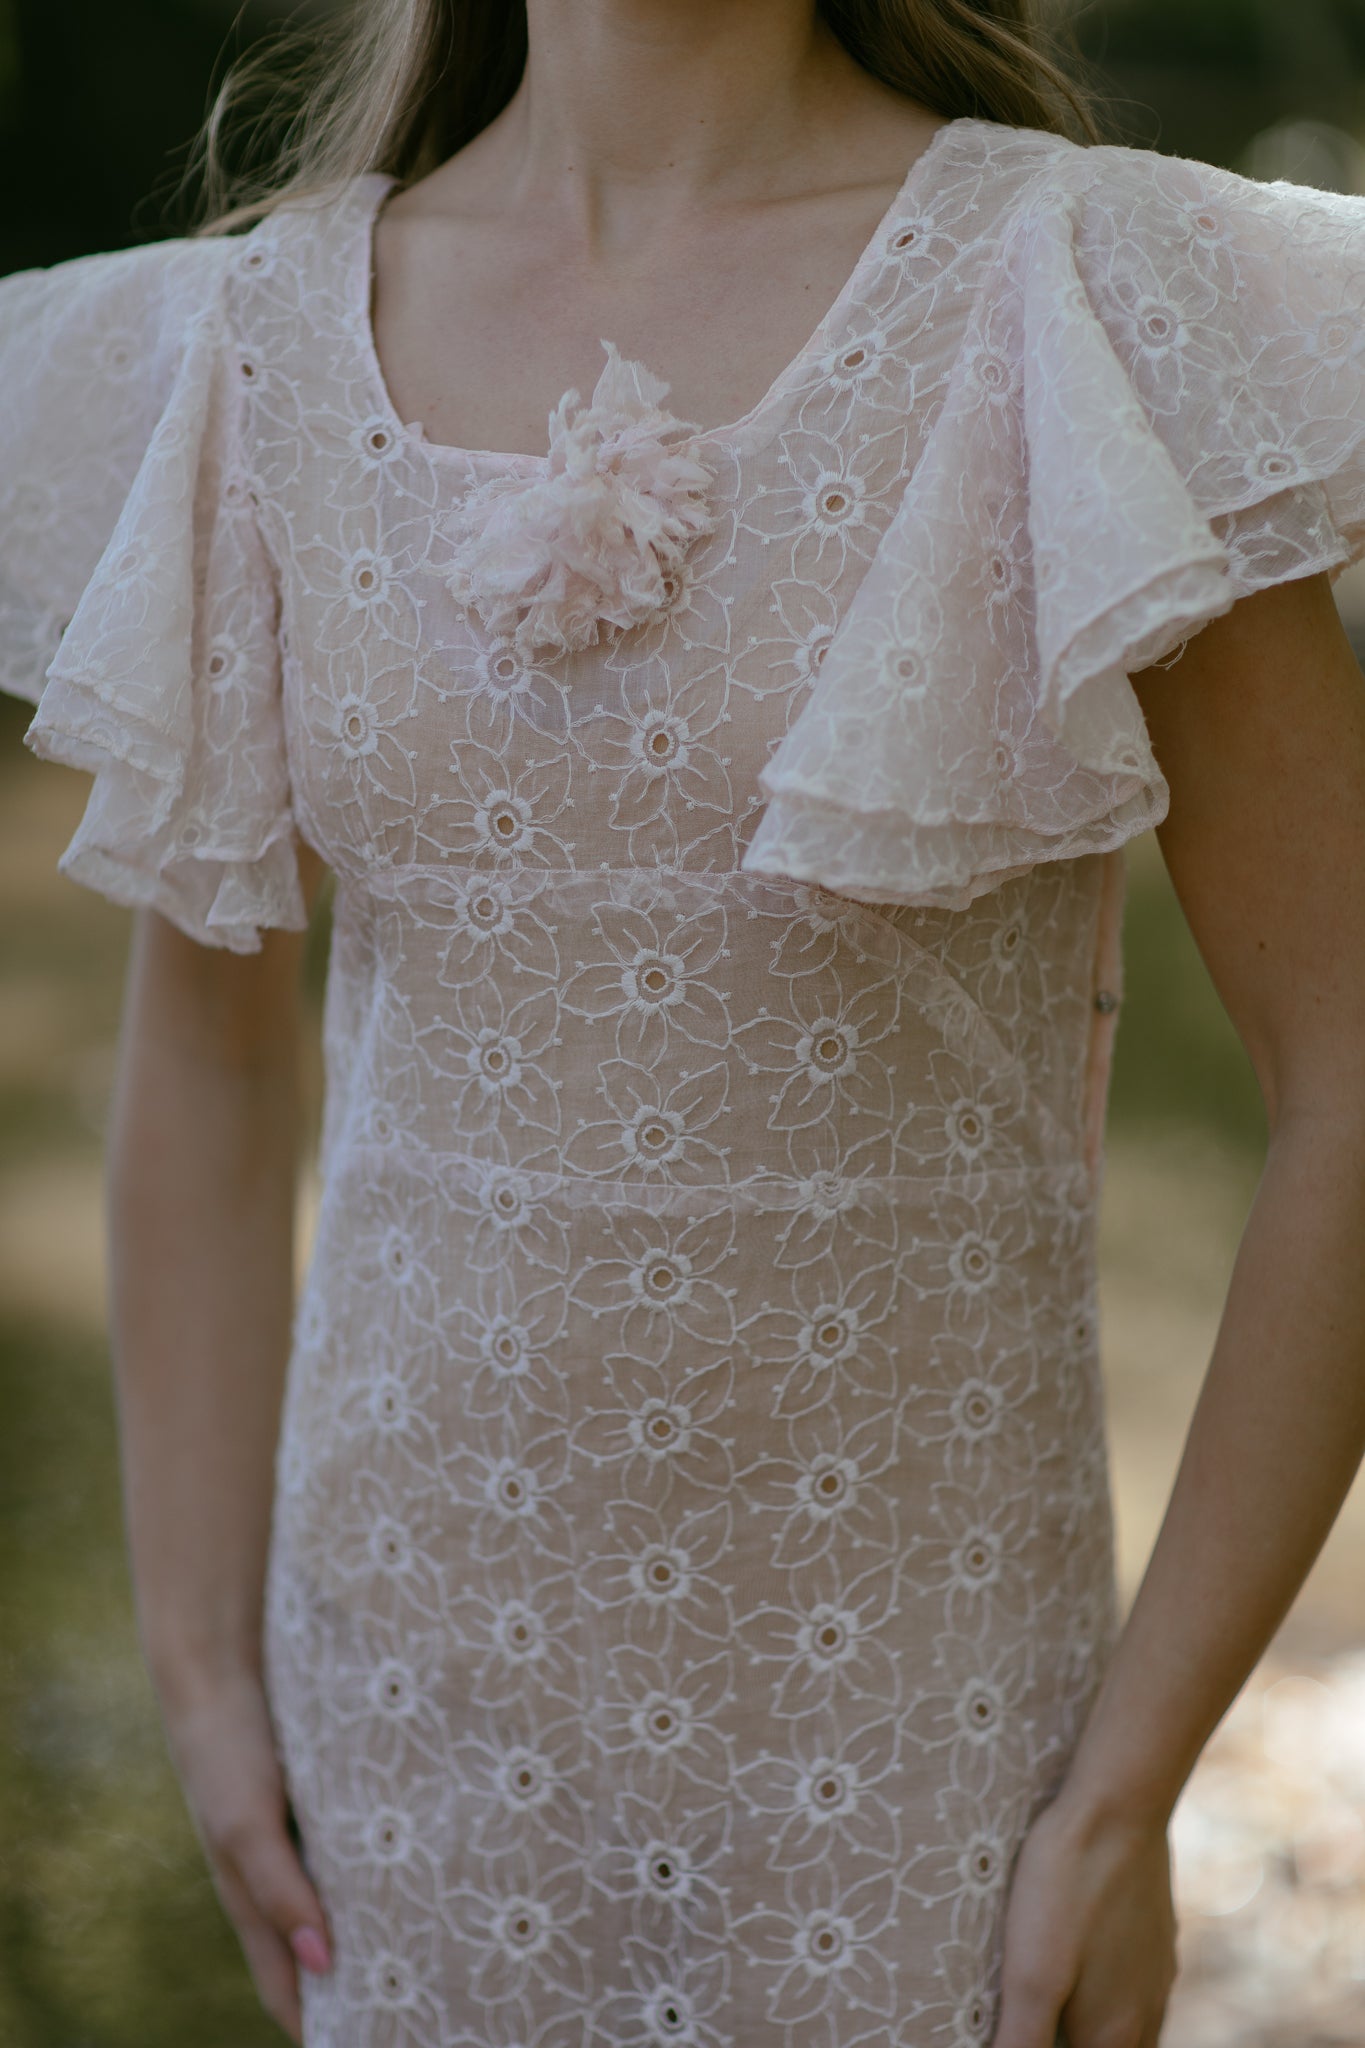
138	610
1158	407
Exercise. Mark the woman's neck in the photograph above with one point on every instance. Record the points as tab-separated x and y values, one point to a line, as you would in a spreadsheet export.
635	107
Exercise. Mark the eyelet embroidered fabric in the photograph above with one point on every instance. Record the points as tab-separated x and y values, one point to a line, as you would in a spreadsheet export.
692	1556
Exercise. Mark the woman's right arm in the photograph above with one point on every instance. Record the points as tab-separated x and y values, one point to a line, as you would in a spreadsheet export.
202	1172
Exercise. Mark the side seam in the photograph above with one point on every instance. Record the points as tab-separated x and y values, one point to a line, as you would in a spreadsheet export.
1106	999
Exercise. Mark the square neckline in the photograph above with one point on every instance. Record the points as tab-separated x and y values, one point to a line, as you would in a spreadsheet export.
374	187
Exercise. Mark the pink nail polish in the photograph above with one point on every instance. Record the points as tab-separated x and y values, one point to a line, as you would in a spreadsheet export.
311	1950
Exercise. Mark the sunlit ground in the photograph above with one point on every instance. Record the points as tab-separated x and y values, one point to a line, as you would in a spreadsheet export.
110	1936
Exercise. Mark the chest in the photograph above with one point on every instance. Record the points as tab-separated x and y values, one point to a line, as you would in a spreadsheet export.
418	736
478	338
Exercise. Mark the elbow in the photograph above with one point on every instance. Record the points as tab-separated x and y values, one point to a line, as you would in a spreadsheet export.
1316	1093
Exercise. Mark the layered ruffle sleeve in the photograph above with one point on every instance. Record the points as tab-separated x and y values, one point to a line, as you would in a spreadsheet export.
1158	408
138	605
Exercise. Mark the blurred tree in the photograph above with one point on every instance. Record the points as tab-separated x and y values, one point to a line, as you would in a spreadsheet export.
9	59
1202	77
97	106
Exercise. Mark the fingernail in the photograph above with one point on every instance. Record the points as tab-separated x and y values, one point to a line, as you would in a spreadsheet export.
310	1948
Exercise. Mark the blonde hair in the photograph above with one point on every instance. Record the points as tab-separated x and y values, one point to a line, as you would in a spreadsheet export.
400	85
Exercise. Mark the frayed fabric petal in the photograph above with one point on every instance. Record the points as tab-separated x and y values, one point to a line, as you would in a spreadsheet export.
593	539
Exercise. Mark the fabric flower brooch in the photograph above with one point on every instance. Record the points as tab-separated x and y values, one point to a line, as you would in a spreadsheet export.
594	536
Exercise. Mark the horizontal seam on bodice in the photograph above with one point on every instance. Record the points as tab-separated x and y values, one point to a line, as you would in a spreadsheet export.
791	1186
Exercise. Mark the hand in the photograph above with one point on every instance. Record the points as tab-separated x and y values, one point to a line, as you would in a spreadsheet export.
1090	1934
223	1747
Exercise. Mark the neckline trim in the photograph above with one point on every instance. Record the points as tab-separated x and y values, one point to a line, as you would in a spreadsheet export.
374	186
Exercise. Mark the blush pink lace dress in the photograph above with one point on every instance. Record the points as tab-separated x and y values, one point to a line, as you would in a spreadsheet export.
692	1561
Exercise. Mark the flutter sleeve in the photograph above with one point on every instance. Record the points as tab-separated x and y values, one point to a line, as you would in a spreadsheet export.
138	605
1158	408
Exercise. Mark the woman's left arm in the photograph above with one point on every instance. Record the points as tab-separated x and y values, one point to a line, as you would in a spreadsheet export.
1260	731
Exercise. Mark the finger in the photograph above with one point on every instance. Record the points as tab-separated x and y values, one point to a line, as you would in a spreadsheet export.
1029	2015
269	1959
281	1891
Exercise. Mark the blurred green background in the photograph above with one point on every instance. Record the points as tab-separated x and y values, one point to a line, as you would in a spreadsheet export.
109	1933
